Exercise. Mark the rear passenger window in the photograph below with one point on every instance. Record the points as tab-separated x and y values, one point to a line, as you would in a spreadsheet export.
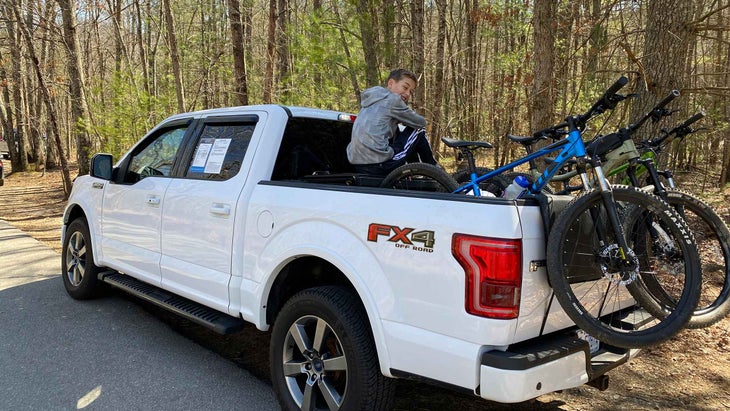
220	150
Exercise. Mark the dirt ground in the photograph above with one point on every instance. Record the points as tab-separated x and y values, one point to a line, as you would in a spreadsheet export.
690	372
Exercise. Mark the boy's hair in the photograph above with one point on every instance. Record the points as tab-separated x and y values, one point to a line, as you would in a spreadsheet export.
398	74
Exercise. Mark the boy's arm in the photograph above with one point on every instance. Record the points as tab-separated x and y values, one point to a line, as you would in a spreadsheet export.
406	115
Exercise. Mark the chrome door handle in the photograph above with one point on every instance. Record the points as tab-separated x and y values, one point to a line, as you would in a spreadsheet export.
97	185
153	200
220	209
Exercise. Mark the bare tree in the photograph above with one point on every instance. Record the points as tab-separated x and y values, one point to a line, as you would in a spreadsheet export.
47	97
270	52
17	144
666	52
239	52
174	55
369	42
419	57
542	98
77	90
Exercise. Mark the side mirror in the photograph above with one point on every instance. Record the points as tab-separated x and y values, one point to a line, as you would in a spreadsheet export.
101	166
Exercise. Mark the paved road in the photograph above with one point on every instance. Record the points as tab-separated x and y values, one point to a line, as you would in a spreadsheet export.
59	354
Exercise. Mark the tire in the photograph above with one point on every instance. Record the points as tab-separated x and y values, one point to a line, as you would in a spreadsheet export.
713	245
349	369
78	270
610	301
494	185
421	177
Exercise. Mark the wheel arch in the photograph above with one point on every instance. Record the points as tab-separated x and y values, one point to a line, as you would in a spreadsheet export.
313	269
74	211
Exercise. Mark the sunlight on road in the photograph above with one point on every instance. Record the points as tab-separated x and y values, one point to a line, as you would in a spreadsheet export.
87	399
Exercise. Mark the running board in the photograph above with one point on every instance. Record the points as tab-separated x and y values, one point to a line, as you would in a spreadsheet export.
195	312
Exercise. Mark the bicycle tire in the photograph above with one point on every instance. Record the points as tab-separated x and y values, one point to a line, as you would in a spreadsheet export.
712	238
601	297
421	177
495	185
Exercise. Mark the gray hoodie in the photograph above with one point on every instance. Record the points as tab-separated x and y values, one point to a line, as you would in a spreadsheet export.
377	123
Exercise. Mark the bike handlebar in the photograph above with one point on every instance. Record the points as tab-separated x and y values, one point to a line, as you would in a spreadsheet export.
671	96
607	101
680	130
699	115
655	113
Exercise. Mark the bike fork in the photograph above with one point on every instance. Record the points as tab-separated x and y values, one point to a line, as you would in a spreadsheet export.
610	204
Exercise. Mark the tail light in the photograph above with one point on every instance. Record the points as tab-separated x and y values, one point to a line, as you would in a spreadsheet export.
493	269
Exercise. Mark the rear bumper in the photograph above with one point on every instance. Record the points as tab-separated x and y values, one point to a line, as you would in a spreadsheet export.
536	367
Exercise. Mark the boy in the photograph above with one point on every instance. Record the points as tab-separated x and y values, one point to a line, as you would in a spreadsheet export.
378	145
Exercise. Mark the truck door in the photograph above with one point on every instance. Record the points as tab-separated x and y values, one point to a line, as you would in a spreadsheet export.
199	210
132	207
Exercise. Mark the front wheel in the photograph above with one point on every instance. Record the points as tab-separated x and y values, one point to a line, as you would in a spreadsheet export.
323	355
79	272
421	177
602	287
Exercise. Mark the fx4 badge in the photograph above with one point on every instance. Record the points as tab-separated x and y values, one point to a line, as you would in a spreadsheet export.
403	237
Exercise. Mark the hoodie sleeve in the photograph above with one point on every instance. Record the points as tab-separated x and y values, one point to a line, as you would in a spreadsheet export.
400	111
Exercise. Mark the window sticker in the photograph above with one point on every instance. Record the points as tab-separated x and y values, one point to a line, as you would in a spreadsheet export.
201	155
217	155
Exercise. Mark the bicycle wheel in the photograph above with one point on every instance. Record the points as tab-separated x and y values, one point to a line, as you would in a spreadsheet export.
599	291
421	177
712	238
494	185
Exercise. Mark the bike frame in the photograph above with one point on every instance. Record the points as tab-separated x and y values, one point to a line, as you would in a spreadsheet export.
571	147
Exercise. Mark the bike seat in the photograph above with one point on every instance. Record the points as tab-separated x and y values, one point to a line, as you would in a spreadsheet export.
454	143
525	141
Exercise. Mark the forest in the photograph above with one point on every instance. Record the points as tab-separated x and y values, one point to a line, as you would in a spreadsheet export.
82	76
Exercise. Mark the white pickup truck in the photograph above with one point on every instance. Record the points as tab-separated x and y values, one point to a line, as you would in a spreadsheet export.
253	214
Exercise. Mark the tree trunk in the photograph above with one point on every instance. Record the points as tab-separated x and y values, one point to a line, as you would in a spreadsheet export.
49	106
388	46
78	98
239	53
543	89
369	43
282	47
141	48
346	49
270	53
666	49
174	55
17	145
419	57
437	129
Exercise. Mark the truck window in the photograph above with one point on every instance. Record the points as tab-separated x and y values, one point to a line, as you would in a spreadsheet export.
157	157
219	151
312	146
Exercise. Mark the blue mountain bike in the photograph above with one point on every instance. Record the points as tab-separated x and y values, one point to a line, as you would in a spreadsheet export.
608	243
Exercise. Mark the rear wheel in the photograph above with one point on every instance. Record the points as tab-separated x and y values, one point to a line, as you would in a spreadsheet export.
420	177
712	238
494	185
323	355
599	290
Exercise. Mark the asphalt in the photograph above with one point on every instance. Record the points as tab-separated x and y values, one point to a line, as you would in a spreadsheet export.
57	353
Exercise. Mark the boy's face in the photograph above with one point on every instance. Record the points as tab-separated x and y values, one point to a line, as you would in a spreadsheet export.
403	87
